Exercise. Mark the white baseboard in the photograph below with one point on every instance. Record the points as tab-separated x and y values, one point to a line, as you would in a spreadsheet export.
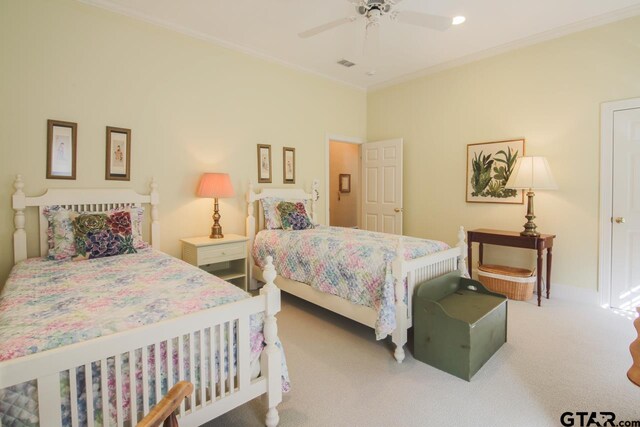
567	292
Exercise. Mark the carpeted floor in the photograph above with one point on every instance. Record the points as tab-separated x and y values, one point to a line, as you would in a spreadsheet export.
560	357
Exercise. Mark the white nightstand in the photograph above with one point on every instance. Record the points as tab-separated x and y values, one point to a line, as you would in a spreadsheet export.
225	258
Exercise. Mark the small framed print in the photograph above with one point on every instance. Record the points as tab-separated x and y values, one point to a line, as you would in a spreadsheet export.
61	149
345	183
289	165
118	154
264	163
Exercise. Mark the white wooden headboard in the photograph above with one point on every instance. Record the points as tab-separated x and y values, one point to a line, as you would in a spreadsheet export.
290	193
85	200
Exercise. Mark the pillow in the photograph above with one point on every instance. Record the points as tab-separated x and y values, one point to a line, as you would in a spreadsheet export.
99	235
60	232
271	215
293	216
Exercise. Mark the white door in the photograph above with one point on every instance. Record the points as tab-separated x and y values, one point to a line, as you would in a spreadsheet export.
625	247
382	186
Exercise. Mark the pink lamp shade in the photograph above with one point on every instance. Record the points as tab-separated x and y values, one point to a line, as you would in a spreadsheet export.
215	185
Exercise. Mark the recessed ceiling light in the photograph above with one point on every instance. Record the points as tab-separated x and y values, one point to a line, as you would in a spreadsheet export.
371	73
457	20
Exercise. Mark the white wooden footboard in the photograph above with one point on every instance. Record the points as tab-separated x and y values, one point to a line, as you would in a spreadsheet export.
209	333
414	272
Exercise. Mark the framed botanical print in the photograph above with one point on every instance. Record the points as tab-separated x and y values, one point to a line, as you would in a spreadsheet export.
489	166
345	183
289	165
118	165
264	163
61	149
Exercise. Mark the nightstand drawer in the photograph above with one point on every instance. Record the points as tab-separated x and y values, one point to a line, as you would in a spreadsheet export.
219	253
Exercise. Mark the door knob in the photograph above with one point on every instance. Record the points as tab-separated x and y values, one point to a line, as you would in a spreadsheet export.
397	210
620	220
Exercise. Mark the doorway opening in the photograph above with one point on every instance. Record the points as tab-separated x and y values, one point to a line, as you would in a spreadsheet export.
344	186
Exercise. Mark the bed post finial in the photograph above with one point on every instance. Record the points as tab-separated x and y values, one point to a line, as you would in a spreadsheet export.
155	215
315	193
462	258
270	360
19	235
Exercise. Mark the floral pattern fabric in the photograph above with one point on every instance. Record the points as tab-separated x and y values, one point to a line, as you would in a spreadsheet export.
50	304
61	239
103	235
346	262
272	219
59	232
293	216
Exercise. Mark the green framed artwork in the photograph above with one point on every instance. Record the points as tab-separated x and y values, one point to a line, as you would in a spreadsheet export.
489	165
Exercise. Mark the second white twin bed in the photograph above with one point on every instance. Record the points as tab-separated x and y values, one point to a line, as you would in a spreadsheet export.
366	276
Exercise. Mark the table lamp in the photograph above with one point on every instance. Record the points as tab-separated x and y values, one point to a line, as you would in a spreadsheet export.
531	173
215	185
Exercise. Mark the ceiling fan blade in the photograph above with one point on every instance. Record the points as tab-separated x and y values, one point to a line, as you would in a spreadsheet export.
435	22
325	27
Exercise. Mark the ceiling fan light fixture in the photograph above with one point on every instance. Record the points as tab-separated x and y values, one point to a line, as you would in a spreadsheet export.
457	20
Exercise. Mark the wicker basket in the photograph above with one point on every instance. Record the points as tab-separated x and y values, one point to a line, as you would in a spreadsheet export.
514	283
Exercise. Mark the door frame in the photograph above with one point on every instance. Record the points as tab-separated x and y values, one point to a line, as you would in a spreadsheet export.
327	163
607	111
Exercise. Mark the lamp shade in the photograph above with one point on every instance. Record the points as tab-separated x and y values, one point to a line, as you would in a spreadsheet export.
532	173
215	185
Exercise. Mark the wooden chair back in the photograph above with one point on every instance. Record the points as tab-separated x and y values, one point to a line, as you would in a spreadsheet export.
164	411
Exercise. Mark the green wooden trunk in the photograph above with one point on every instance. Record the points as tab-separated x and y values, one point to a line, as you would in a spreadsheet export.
458	324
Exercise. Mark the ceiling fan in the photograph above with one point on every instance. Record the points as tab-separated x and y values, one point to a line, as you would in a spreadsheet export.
374	10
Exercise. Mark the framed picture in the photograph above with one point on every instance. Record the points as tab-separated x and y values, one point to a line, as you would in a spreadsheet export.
289	165
264	163
118	154
489	166
61	149
345	183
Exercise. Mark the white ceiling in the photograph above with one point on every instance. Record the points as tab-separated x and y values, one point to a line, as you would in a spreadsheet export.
269	28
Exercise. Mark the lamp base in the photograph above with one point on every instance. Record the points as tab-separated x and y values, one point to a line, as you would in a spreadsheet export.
530	226
216	229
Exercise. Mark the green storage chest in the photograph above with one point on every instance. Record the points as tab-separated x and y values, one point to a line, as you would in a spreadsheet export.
458	324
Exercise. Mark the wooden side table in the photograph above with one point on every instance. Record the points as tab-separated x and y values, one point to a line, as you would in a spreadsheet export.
225	258
515	240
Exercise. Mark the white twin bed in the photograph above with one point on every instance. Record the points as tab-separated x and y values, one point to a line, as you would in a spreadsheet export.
53	352
45	376
330	254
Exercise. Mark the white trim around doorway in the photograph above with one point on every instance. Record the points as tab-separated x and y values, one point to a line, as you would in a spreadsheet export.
327	141
607	111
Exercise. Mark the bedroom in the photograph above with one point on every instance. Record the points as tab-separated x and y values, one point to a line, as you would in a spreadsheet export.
197	106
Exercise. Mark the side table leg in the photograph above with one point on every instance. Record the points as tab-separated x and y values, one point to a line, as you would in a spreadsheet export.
549	258
539	275
481	253
469	251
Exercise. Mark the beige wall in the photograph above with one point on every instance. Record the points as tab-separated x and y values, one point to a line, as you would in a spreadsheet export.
549	94
344	158
192	107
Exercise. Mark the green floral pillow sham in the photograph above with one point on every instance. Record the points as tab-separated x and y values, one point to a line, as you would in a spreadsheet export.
101	235
294	216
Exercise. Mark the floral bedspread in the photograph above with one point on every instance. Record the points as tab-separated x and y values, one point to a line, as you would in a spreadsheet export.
346	262
49	304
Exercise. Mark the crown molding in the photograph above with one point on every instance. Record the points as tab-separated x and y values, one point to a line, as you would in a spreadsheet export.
575	27
130	13
585	24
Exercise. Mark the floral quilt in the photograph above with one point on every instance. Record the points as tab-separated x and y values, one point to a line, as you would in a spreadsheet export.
346	262
48	304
